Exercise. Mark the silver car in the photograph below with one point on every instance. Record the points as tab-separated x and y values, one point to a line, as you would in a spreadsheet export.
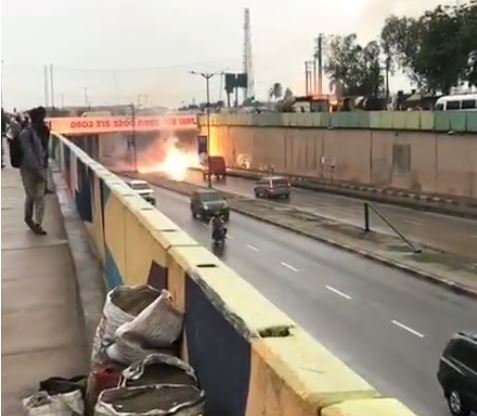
272	187
143	189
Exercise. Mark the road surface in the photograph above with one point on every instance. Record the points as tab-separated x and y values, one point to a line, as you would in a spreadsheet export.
388	326
448	233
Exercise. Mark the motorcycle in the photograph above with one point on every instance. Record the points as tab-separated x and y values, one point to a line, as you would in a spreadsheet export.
218	236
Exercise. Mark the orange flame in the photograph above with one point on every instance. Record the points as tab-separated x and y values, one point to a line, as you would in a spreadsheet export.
175	163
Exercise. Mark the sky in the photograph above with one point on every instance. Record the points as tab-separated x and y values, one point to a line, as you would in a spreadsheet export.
123	51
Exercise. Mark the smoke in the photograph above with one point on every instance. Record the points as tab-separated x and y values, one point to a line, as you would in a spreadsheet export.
375	12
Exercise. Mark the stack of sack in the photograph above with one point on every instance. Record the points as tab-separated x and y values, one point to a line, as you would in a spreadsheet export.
57	396
134	365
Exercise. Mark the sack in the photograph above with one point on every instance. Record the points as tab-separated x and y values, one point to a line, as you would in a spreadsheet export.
158	325
122	305
43	404
158	369
60	385
153	400
125	351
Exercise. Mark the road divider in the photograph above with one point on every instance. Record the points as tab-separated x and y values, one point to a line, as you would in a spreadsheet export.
251	358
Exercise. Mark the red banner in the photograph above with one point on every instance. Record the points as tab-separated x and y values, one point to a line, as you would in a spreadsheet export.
117	124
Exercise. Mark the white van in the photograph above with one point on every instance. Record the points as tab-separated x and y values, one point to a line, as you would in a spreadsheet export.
457	102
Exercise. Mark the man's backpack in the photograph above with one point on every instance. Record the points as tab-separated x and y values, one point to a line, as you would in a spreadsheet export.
16	150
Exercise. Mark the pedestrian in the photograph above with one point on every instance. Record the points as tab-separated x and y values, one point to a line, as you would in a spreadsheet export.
32	169
4	134
45	141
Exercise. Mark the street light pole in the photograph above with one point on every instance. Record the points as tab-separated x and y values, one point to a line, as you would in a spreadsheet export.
133	121
207	76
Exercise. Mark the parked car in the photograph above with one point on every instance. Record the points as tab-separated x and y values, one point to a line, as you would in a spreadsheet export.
217	167
457	373
143	189
272	187
207	203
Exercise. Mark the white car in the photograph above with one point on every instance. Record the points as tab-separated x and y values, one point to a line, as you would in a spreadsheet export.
143	189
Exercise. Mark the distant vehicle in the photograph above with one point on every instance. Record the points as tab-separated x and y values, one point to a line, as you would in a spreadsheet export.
207	203
217	167
143	189
457	373
96	114
457	102
272	187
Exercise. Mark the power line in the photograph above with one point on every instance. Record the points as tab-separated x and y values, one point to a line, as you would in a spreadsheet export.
156	68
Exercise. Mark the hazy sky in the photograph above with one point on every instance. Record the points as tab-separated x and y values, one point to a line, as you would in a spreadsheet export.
86	40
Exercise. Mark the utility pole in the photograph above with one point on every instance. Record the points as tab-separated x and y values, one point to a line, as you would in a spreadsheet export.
207	76
314	76
308	77
319	57
86	96
52	89
45	80
388	68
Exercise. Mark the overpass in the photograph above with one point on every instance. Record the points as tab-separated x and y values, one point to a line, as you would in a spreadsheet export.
136	244
117	228
250	357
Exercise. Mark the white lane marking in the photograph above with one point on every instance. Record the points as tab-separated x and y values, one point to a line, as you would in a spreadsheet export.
289	266
253	248
408	329
413	222
338	292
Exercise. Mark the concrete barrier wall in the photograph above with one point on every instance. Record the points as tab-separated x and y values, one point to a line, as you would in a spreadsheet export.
461	121
251	358
414	161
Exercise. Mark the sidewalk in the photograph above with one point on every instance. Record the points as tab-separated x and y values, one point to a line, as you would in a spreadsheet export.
42	332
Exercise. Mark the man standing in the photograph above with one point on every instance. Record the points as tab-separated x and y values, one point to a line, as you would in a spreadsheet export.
33	169
4	134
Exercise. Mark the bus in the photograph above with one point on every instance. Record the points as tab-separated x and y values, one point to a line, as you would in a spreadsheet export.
457	102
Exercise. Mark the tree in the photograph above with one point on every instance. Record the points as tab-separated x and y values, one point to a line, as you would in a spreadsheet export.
370	70
467	15
352	69
436	49
441	59
399	43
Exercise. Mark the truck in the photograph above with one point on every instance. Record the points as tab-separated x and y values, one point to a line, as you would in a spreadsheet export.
216	165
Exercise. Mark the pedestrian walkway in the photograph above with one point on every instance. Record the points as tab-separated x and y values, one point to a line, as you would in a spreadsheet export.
42	332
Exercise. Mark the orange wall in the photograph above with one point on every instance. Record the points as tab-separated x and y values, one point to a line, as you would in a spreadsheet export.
440	163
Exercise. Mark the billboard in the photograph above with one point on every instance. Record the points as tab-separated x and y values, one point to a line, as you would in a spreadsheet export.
118	124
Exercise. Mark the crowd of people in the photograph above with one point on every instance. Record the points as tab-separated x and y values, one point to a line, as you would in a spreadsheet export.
27	136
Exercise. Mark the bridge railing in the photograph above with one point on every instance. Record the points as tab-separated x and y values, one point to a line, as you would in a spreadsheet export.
250	358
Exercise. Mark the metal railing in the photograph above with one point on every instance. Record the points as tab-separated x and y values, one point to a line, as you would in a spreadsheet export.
367	228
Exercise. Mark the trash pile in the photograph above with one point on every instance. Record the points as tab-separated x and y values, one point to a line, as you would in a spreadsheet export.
135	364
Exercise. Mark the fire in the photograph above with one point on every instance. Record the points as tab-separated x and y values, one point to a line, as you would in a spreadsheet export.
175	163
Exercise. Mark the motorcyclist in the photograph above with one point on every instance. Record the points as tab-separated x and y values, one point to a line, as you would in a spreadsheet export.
218	229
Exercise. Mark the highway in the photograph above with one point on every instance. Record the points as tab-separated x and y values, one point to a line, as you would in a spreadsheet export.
448	233
388	326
